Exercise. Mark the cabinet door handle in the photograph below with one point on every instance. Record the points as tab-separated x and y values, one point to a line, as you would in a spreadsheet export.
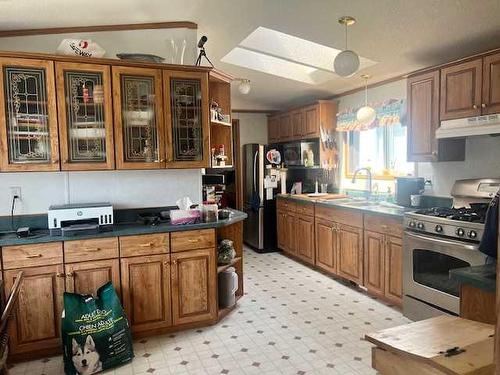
70	274
149	244
60	274
483	105
34	256
193	241
65	161
162	160
93	249
55	161
474	106
174	262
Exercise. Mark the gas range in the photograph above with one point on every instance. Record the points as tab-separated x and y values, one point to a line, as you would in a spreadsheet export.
465	224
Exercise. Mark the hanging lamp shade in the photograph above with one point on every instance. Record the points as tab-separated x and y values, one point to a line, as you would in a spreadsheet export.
244	87
366	114
346	63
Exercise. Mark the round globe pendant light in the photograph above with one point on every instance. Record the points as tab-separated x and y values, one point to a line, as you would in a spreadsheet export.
244	86
346	63
366	114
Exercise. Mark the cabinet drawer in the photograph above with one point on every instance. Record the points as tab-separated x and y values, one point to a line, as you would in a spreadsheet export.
286	205
340	215
384	224
193	239
95	249
22	256
147	244
305	209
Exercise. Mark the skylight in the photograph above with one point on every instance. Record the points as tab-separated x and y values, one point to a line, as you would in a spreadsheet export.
287	56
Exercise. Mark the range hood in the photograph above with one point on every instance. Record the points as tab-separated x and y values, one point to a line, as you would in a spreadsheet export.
469	127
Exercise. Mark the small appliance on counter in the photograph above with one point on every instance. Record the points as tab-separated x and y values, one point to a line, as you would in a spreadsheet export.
73	219
406	187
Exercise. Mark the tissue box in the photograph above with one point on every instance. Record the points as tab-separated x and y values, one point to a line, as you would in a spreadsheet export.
179	217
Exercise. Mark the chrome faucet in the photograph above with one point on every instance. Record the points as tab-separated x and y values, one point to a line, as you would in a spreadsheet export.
368	173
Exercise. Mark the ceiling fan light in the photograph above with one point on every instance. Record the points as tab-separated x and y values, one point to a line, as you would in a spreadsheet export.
366	115
244	87
346	63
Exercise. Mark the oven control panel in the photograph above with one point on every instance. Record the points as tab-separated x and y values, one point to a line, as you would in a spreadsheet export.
458	230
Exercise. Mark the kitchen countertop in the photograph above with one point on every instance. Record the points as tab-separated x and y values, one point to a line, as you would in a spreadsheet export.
481	277
119	229
336	200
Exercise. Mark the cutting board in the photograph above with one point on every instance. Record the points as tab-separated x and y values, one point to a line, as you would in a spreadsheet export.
426	342
322	198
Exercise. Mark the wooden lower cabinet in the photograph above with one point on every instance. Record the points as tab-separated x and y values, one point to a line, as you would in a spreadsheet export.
374	259
393	286
290	234
304	230
194	283
146	292
87	277
326	242
350	253
281	229
36	322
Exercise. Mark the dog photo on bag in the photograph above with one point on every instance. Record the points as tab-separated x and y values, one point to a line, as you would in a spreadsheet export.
86	358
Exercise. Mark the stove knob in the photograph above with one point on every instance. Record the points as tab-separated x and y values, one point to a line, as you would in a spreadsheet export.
412	224
439	228
472	234
460	232
421	226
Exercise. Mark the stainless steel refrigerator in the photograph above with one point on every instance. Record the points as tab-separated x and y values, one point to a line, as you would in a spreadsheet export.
259	229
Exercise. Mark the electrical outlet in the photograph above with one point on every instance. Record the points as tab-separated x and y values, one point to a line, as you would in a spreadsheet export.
15	191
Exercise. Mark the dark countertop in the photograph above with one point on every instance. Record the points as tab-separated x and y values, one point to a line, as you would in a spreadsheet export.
380	209
481	277
120	229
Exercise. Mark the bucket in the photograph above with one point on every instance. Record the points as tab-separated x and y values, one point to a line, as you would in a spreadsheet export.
227	285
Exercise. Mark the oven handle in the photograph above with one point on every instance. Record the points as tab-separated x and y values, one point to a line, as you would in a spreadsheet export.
440	240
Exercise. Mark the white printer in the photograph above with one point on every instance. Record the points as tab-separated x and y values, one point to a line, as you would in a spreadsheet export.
72	219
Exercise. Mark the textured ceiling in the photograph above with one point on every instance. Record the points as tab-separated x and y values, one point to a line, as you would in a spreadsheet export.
401	35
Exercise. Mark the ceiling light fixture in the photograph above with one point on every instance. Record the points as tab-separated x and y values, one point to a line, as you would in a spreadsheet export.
346	63
244	86
366	114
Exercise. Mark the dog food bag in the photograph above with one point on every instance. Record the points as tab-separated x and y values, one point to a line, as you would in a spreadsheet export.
95	332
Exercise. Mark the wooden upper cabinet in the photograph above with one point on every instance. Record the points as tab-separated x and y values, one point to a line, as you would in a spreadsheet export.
146	292
194	286
461	93
298	123
311	119
187	119
326	244
374	258
37	315
491	84
423	116
273	131
28	125
85	116
350	253
138	112
285	127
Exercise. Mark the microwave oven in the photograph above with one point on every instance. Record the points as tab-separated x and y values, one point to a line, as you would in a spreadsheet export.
299	153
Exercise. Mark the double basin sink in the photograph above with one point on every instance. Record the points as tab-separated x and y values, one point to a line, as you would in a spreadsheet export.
367	205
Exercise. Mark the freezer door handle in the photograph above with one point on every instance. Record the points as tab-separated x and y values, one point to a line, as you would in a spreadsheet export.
255	171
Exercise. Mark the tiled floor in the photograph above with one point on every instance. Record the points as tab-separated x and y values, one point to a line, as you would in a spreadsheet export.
293	320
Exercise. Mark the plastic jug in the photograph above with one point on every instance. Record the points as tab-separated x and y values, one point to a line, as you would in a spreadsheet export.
227	285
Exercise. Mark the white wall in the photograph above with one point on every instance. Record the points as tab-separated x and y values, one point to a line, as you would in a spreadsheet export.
253	127
482	159
124	189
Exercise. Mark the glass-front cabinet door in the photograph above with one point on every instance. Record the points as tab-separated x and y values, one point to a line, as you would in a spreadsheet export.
186	100
28	127
85	116
139	126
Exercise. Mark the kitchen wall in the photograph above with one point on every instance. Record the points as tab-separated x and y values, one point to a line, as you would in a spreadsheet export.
124	189
253	127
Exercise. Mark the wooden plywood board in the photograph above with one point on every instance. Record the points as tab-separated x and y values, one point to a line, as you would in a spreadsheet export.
423	341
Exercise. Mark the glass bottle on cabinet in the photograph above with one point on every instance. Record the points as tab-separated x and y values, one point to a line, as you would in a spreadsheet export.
139	127
85	120
186	96
28	137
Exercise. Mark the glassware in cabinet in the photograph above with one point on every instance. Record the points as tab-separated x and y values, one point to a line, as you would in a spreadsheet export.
186	96
85	116
28	136
139	127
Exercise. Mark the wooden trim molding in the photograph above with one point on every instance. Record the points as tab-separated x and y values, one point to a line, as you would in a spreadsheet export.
97	28
264	111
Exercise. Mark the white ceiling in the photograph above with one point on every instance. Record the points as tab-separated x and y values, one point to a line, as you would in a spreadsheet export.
401	36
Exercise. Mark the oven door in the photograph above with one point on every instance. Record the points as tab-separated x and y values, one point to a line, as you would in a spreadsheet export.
427	261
